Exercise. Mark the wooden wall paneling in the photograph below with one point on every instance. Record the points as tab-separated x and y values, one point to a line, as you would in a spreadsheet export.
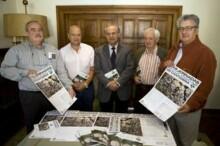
60	29
128	29
164	24
132	20
143	22
104	21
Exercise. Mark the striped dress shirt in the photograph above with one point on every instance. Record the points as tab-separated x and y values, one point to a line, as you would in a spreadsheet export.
148	65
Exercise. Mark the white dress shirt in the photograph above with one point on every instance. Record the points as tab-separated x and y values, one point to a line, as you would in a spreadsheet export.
76	62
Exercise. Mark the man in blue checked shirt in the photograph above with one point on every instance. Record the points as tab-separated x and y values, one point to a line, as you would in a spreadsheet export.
26	59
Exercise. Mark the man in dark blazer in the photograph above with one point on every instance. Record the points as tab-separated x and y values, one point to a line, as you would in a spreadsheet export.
113	55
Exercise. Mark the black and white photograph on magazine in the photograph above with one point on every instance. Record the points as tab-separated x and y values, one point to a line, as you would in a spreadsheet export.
112	75
80	77
51	116
102	121
52	88
50	85
131	126
172	90
78	121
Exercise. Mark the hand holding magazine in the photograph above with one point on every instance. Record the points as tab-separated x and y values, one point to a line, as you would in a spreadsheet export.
49	84
112	75
170	92
80	77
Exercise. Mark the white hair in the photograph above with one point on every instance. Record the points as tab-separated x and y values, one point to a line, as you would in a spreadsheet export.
156	32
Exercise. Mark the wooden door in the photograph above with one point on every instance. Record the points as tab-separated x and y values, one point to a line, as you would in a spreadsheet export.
131	20
133	29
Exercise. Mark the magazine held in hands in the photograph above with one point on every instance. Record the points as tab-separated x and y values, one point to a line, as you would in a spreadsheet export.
80	77
170	92
49	84
112	75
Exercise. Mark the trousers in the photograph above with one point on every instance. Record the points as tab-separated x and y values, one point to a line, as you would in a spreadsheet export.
34	106
185	127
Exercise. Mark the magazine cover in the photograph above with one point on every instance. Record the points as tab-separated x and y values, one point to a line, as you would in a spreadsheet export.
80	77
45	129
112	75
171	91
51	116
49	84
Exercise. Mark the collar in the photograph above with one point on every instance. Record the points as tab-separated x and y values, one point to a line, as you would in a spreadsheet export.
110	48
193	43
34	47
116	46
147	51
80	47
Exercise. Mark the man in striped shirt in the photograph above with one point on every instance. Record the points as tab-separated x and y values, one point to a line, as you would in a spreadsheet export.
147	62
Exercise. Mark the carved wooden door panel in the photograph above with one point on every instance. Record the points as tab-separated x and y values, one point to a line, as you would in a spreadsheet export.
131	20
92	27
133	29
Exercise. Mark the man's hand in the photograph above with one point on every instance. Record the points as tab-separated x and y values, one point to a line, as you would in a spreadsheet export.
184	109
31	72
71	92
137	79
168	63
113	85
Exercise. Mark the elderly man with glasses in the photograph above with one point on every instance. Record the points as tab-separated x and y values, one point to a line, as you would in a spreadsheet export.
191	55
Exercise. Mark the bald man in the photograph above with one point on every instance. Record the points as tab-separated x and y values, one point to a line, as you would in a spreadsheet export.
77	59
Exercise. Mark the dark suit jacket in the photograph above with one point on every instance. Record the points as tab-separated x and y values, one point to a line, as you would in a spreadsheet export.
124	66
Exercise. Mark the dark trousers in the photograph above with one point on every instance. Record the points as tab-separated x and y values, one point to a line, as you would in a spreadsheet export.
34	105
141	91
84	100
114	104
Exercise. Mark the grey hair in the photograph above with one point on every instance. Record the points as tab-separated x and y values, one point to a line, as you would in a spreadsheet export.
112	24
30	22
185	17
156	32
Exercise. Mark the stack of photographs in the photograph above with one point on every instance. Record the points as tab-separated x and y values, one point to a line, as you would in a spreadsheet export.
101	138
105	129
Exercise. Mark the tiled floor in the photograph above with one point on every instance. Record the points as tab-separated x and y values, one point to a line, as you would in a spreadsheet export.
203	141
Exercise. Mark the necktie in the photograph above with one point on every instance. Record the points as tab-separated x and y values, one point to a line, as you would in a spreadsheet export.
113	58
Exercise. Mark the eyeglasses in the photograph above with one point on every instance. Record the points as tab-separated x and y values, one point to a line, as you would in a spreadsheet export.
187	28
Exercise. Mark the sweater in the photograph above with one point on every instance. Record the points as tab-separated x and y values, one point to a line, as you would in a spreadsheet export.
199	61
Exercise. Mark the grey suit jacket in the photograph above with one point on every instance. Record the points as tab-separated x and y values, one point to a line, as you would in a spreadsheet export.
124	66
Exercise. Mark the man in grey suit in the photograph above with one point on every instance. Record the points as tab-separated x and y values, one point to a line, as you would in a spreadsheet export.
114	55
